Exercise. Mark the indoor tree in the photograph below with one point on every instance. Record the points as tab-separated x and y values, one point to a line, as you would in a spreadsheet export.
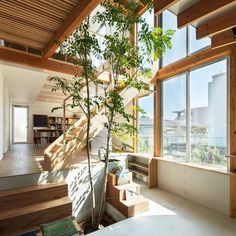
80	47
127	61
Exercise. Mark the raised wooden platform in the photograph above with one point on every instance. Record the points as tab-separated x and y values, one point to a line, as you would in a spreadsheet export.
22	209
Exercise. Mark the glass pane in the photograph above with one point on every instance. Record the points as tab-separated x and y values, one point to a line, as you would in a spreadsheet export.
145	125
149	18
20	124
179	41
208	99
197	44
174	118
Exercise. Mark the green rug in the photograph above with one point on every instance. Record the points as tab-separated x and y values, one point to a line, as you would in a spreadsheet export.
63	227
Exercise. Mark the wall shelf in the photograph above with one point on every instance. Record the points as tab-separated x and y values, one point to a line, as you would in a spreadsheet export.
140	165
140	172
145	166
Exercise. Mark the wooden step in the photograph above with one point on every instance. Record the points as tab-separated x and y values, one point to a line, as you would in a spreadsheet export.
115	194
67	138
75	131
21	219
134	206
56	147
20	197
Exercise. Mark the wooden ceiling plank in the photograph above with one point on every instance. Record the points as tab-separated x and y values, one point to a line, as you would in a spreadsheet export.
30	17
26	23
191	62
53	97
162	5
217	25
19	33
202	9
64	7
83	9
18	26
15	56
223	39
21	40
35	7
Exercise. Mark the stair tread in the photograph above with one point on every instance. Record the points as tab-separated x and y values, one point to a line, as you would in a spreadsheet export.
33	208
126	186
30	188
134	201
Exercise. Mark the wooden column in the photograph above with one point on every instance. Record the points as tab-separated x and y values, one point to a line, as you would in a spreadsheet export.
135	124
157	118
153	170
232	163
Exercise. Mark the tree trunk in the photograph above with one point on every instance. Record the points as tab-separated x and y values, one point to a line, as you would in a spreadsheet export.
105	177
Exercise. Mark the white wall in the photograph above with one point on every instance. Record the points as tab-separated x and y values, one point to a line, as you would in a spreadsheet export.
205	187
1	115
6	119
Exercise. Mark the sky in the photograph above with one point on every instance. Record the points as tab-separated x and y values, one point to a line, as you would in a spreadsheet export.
174	90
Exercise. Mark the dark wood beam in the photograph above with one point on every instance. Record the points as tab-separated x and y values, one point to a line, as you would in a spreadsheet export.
202	9
162	5
232	126
27	59
191	62
217	25
223	39
80	12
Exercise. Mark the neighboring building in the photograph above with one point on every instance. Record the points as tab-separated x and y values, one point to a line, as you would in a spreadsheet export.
217	137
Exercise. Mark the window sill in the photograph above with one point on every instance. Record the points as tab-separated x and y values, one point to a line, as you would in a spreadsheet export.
198	166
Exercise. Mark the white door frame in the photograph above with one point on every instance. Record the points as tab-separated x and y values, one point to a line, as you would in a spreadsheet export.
27	131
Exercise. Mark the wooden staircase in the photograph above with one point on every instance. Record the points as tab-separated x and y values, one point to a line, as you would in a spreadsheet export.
22	209
116	197
59	155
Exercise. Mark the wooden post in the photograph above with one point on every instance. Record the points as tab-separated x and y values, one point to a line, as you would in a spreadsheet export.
64	121
135	124
157	119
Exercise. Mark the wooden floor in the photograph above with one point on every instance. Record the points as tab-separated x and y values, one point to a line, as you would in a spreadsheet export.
21	159
24	159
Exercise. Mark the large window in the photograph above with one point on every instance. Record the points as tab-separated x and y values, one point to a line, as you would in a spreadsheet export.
208	86
184	40
178	41
194	115
145	125
196	44
174	117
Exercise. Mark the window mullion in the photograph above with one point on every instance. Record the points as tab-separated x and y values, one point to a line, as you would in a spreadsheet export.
188	128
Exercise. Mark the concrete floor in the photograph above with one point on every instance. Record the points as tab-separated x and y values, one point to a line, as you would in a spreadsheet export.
172	215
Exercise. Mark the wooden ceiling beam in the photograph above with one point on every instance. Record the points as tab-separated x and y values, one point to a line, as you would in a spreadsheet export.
27	59
202	9
80	12
162	5
223	39
217	25
21	40
191	62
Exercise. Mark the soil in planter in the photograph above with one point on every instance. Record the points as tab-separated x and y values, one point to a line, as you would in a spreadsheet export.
106	221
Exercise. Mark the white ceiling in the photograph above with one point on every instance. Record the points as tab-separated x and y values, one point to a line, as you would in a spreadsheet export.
23	84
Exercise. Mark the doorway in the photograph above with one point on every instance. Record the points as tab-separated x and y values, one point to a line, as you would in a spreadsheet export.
20	124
